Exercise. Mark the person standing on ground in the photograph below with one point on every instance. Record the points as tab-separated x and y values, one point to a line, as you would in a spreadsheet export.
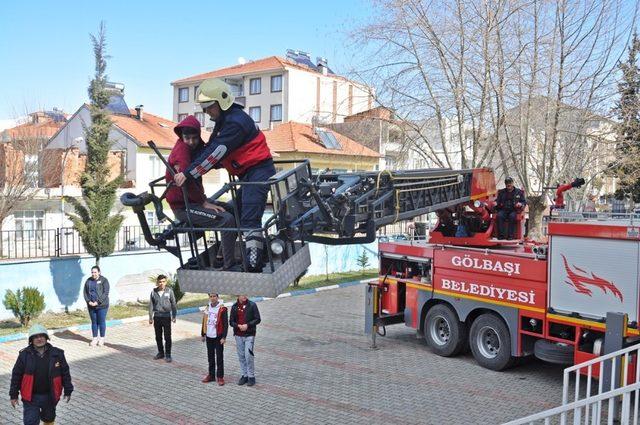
244	319
162	311
214	332
40	375
96	294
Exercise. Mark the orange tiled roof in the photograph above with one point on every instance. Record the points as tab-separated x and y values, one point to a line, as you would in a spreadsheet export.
298	137
260	65
152	127
44	130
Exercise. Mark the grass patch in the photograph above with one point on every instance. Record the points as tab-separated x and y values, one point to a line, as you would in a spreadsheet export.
122	311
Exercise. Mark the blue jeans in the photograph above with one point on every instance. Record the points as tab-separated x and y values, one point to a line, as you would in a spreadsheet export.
41	407
244	346
252	199
98	320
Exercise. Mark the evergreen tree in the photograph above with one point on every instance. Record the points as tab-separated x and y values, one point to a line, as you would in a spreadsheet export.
92	218
363	261
627	110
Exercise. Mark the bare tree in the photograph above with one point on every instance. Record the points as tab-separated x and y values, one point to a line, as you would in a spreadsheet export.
522	86
21	170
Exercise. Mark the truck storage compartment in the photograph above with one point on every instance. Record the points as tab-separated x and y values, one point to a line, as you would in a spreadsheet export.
591	276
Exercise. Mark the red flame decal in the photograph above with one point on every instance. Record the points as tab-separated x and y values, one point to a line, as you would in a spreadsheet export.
579	281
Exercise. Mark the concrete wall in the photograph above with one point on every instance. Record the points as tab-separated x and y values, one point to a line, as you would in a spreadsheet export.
61	280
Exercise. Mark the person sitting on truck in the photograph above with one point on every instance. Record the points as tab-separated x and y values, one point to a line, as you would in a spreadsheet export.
202	213
241	148
509	203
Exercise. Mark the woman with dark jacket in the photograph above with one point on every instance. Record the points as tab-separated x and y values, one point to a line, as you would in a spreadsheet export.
96	294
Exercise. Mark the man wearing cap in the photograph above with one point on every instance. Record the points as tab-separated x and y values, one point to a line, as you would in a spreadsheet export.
40	374
509	203
241	148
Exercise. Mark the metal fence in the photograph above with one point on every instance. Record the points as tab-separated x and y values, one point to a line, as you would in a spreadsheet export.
42	243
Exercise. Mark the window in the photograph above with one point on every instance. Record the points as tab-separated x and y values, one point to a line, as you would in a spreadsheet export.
195	92
181	117
29	224
200	117
276	83
276	113
151	218
328	139
183	94
255	86
255	113
157	167
31	170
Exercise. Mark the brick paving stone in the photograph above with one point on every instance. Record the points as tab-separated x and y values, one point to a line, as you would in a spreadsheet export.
313	365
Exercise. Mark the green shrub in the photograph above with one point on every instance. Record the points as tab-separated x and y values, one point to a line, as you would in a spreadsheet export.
26	304
172	282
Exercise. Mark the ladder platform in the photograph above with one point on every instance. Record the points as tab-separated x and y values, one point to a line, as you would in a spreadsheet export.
265	284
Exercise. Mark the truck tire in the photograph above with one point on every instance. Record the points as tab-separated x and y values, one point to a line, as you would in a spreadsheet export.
490	342
443	331
554	352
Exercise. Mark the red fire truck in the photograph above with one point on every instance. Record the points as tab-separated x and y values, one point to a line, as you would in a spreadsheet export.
508	299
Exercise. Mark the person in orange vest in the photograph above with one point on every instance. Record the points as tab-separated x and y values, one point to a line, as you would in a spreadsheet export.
241	148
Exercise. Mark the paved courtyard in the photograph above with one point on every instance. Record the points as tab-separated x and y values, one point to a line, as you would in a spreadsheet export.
313	365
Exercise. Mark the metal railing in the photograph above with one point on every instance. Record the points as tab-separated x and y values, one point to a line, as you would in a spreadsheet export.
592	402
62	241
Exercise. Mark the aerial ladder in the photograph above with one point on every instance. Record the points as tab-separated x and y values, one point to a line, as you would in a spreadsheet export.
326	208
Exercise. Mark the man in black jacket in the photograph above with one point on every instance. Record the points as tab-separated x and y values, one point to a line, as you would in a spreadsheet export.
40	374
243	319
509	203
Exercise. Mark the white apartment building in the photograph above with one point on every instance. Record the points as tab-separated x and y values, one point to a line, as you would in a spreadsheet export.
276	89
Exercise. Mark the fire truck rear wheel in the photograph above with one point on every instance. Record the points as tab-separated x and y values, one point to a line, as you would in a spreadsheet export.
490	342
443	331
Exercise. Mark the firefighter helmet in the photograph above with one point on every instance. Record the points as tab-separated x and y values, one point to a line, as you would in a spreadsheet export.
214	90
36	330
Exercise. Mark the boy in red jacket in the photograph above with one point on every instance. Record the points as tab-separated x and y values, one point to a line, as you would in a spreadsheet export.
202	213
215	325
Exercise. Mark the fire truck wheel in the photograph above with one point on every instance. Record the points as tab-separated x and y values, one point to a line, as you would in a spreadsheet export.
490	342
553	352
443	331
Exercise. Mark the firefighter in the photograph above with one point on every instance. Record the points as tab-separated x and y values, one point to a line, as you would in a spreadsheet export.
509	203
41	376
241	148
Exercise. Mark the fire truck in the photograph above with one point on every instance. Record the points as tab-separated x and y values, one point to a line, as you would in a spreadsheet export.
556	299
462	289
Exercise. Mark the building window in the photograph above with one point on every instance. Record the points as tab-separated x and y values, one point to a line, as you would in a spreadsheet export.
195	92
276	113
152	220
200	117
31	170
181	117
183	94
157	167
276	83
255	86
29	224
255	113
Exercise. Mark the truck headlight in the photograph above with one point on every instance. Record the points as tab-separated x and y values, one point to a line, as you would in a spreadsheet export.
277	246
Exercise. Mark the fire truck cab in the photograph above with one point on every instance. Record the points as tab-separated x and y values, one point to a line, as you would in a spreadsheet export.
550	299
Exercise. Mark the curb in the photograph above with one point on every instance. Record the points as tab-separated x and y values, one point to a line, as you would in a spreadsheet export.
183	311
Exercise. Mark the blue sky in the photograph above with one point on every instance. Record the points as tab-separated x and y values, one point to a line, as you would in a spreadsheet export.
47	60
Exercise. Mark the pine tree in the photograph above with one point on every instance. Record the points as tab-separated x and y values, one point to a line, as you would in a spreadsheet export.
92	218
627	110
363	261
